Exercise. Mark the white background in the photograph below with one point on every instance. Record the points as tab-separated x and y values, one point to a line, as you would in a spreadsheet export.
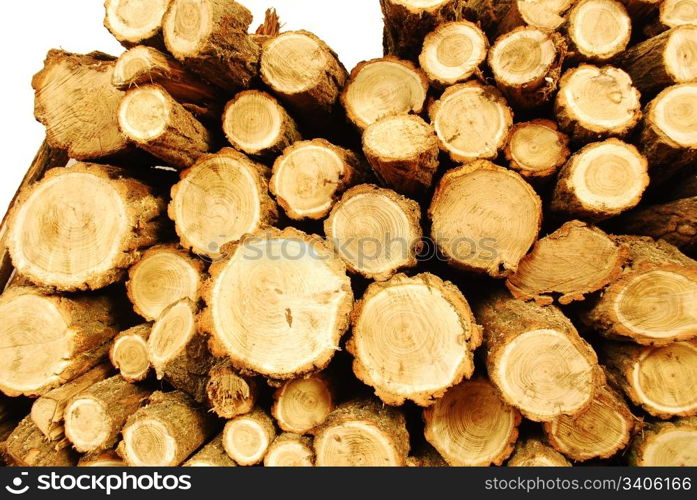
353	28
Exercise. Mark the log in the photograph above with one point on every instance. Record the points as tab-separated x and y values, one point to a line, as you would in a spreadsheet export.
278	304
362	433
536	149
663	60
303	404
660	379
230	394
144	65
310	176
220	198
247	438
485	218
598	30
255	123
546	272
49	340
413	339
471	121
536	358
672	13
383	87
594	103
75	100
107	458
156	123
651	302
129	353
290	450
407	22
547	15
600	431
211	455
641	10
403	151
426	456
533	453
453	52
163	275
667	135
178	353
134	22
374	231
165	432
674	222
94	418
601	180
47	411
471	425
210	38
526	63
80	227
27	447
304	73
666	444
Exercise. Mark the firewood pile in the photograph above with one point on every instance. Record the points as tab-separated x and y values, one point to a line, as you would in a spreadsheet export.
475	250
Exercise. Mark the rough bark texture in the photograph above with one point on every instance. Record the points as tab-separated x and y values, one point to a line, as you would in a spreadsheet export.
27	447
374	435
534	453
520	338
51	339
211	455
166	431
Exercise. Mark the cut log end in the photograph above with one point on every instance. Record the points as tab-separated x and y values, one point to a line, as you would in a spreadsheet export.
453	52
362	434
674	13
671	114
472	426
135	21
229	393
536	149
666	444
144	114
278	304
187	27
255	123
129	353
231	185
290	450
486	240
599	29
472	121
679	53
375	231
383	87
534	453
148	442
403	151
247	438
402	327
522	57
597	102
171	333
309	177
301	405
601	180
600	431
546	272
86	425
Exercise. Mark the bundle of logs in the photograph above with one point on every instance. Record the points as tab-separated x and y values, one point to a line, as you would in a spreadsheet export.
474	250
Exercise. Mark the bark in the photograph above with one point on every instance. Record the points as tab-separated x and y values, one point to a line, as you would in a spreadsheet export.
534	453
27	447
374	231
211	455
362	433
166	431
536	358
403	151
388	356
107	458
80	227
50	340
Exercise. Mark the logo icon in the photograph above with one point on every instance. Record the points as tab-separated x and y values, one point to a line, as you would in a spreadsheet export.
16	488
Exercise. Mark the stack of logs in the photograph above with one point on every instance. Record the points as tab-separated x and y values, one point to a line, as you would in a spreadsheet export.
500	215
